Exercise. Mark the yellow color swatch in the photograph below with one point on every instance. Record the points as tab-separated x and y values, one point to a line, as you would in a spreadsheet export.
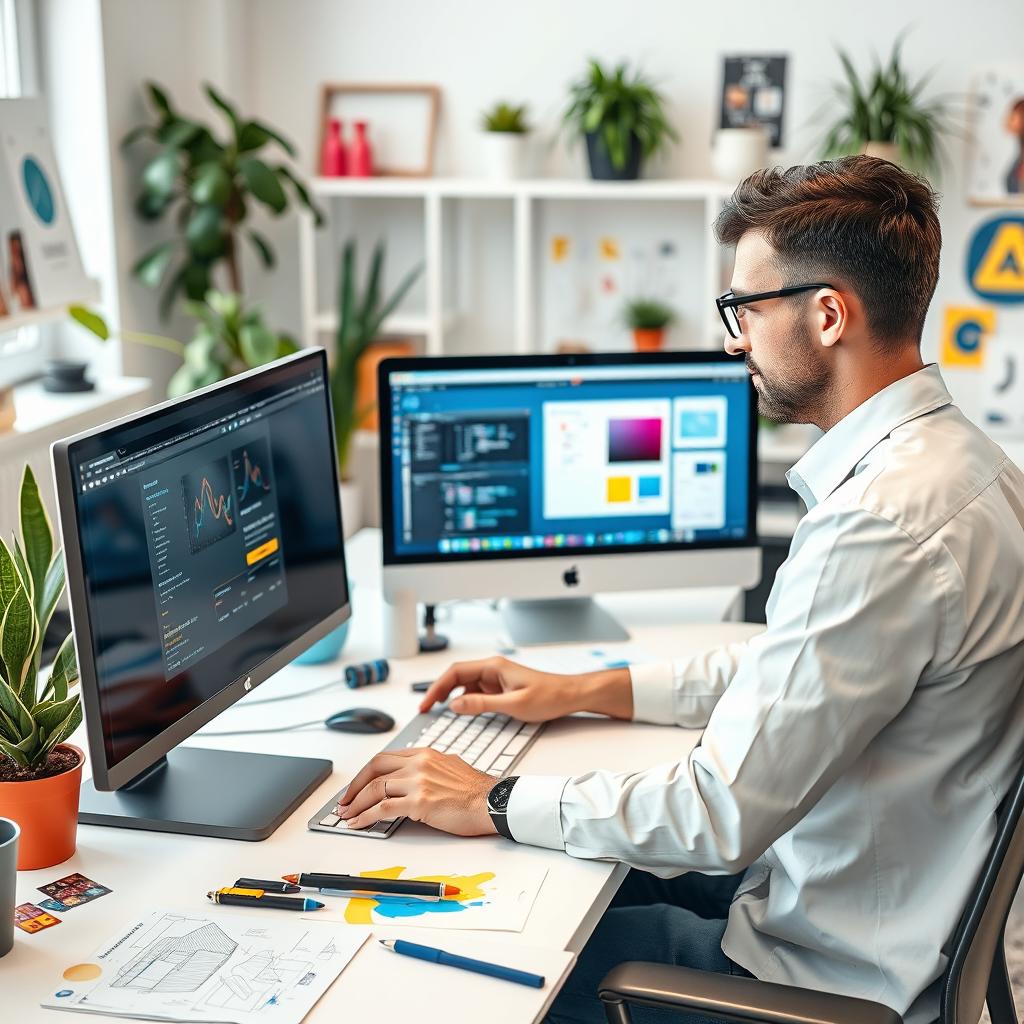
360	911
619	488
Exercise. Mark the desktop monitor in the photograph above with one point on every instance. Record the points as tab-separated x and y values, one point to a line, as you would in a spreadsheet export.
203	544
546	479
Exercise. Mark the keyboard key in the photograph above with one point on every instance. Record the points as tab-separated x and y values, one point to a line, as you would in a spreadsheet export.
331	820
502	762
495	772
517	743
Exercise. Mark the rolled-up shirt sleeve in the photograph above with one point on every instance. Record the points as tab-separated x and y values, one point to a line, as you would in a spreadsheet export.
855	616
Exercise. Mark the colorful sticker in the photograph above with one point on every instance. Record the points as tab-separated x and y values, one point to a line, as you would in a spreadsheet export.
965	330
30	918
71	891
995	260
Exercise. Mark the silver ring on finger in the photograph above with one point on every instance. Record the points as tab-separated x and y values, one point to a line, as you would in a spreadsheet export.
385	789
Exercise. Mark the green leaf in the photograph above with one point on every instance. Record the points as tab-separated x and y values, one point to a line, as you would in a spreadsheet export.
258	344
196	279
303	193
178	132
150	269
205	231
36	532
73	721
200	352
171	292
160	174
10	577
218	101
255	134
286	345
63	671
13	707
14	752
158	98
185	381
392	304
53	587
263	183
346	296
212	185
91	321
17	643
226	305
262	246
139	132
51	714
150	206
21	563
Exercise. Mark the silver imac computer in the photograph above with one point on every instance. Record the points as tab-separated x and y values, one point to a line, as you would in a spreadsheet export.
203	543
547	479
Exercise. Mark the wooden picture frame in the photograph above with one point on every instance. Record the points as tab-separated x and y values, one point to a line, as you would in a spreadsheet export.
432	93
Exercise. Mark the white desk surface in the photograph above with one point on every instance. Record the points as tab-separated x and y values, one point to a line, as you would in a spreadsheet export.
154	870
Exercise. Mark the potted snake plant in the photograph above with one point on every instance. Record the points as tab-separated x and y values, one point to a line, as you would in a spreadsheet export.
40	772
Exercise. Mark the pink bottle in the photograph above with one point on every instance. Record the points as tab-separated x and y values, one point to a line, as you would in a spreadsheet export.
332	159
361	165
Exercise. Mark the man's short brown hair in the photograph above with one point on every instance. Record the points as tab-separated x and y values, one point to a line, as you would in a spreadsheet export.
857	221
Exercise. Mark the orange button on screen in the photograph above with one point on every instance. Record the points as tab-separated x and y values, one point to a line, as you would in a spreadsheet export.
251	557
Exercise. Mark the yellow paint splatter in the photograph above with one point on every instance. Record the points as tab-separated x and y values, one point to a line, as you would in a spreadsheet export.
471	886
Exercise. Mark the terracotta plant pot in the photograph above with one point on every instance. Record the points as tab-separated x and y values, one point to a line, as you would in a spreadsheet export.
649	339
47	811
366	376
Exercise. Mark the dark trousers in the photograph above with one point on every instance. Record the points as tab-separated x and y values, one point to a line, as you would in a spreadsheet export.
668	921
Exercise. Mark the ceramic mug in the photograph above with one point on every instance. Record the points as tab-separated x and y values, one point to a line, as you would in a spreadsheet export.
9	832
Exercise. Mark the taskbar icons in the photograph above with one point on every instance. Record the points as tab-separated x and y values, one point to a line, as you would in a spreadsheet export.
528	542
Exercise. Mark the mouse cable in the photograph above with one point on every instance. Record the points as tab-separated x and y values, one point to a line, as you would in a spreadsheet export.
251	732
290	696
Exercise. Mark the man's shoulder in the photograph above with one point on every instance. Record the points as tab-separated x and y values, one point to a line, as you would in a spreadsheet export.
928	472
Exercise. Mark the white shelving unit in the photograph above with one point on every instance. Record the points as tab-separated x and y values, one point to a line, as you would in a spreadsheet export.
525	207
49	314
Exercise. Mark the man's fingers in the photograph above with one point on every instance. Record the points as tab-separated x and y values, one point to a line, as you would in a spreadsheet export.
393	807
384	787
462	673
381	764
476	703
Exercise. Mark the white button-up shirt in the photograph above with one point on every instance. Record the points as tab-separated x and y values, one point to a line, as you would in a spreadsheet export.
855	752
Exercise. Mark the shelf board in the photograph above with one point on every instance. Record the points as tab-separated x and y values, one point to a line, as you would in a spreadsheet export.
534	188
50	314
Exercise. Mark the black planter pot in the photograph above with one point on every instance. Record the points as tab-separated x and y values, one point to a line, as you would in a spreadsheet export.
601	167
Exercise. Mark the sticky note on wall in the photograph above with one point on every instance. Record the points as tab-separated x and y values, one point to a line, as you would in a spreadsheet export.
964	333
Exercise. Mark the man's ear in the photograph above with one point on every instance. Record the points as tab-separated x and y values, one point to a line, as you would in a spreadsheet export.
832	316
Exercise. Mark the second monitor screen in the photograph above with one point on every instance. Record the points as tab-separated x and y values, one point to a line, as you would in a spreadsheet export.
507	460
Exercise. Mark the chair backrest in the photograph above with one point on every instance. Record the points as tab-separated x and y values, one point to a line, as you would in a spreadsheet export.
980	932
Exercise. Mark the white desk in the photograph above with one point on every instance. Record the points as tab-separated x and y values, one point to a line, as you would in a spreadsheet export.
153	870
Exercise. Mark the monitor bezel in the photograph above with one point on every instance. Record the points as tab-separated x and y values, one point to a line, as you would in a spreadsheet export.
131	767
538	361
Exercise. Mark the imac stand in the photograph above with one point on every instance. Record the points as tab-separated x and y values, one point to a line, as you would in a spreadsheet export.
562	620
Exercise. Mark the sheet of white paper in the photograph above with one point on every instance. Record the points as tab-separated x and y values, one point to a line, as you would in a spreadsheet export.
571	659
177	966
491	900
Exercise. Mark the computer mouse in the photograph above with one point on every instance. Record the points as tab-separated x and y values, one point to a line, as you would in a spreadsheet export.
360	720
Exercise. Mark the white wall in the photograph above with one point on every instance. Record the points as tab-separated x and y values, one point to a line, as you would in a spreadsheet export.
272	56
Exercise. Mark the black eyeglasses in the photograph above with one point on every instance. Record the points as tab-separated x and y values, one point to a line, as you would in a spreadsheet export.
728	303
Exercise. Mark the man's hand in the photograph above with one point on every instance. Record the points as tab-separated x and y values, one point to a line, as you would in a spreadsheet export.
440	790
497	684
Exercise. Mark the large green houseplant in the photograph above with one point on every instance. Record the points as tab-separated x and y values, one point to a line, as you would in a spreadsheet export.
621	116
206	185
884	114
229	338
40	776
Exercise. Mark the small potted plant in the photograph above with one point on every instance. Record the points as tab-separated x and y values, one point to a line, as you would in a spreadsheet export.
648	318
622	118
40	773
885	116
505	140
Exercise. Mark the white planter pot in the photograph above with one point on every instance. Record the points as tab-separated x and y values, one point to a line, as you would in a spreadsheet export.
884	151
505	154
351	507
738	152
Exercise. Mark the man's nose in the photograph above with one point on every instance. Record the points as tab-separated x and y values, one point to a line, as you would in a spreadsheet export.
736	346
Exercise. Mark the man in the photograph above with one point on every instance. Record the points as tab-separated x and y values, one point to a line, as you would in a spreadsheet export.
855	752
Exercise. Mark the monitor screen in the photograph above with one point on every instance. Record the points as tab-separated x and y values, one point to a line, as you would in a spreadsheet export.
210	538
528	456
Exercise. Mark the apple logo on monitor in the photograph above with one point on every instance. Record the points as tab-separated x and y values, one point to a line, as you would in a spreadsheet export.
571	576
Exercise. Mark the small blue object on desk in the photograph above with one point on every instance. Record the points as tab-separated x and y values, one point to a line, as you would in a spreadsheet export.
439	956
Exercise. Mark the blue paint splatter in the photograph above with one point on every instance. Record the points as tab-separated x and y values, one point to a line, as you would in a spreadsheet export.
413	908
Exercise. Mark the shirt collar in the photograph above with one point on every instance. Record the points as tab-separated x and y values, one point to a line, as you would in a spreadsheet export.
832	458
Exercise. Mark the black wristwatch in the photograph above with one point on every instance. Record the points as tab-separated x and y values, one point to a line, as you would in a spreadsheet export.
497	804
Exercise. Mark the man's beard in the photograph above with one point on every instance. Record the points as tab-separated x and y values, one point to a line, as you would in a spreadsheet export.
799	398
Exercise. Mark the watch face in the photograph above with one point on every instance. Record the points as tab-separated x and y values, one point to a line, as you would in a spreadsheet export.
497	799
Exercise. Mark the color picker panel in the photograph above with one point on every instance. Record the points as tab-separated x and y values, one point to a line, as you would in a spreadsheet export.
634	440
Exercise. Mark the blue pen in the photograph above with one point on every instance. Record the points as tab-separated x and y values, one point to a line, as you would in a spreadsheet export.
439	956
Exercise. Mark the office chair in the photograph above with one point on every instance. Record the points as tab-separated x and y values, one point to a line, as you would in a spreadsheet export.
976	973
